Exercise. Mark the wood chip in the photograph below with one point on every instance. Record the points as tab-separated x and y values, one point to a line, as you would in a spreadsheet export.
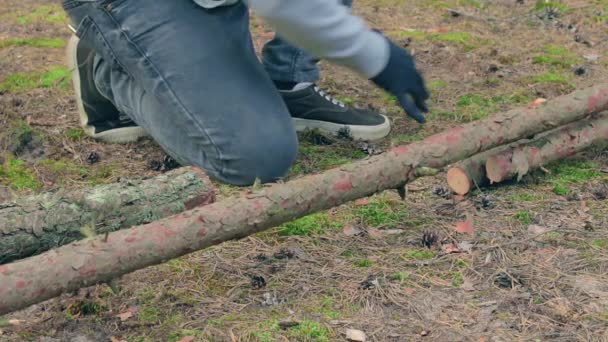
352	230
355	335
465	227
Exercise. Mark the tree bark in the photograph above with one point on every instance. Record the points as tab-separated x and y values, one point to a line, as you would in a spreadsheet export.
96	260
558	144
35	224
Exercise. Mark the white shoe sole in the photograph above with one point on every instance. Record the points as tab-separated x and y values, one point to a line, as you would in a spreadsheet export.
358	132
118	135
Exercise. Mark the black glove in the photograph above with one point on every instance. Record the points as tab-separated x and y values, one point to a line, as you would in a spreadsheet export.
401	79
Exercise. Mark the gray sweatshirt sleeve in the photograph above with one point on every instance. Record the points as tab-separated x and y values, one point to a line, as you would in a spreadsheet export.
326	29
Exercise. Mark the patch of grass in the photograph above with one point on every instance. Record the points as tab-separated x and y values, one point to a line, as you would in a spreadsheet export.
149	314
347	253
524	216
475	106
327	308
85	308
567	173
56	76
601	243
557	56
46	13
543	5
551	77
310	225
64	168
420	254
101	175
362	263
526	197
34	42
382	212
457	279
408	138
75	134
314	158
178	335
310	331
435	85
17	175
400	276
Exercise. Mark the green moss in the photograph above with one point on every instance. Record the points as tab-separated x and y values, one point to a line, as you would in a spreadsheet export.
435	85
421	254
382	212
408	138
601	243
314	158
400	276
457	279
63	167
564	174
56	76
310	331
328	310
362	263
310	225
17	175
524	216
75	134
550	5
551	77
477	106
34	42
526	197
557	56
149	314
46	13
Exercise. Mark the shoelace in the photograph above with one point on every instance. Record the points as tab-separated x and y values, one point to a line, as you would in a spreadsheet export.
328	97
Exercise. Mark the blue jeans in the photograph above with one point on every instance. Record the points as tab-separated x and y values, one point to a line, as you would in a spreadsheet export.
190	77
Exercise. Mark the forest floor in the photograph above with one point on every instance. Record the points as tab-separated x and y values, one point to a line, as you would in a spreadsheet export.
535	268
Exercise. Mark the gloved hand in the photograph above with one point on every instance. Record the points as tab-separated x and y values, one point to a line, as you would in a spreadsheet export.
401	79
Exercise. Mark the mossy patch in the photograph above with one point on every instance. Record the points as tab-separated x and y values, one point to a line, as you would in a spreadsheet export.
46	13
384	212
556	56
33	42
314	158
55	76
17	175
310	225
419	254
524	216
565	174
476	106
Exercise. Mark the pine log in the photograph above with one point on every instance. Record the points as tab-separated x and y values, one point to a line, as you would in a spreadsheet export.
97	260
35	224
467	174
561	143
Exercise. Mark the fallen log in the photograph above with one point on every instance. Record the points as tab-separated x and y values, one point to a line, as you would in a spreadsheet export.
465	175
564	142
35	224
97	260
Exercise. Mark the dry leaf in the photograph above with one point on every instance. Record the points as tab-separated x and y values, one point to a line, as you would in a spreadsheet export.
482	339
458	198
438	30
409	291
450	248
361	202
355	335
537	230
375	233
187	339
114	339
584	207
393	231
352	230
424	333
591	57
125	315
465	227
537	103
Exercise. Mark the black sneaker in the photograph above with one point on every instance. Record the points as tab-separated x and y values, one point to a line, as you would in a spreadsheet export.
98	116
312	108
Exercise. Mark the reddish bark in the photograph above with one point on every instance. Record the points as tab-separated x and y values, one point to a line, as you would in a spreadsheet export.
558	144
252	212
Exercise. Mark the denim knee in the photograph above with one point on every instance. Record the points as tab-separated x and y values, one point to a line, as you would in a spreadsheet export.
268	158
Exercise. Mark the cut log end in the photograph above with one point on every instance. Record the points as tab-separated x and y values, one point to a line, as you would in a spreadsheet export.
459	181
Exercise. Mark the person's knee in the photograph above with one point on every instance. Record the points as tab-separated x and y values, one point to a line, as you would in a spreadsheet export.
267	159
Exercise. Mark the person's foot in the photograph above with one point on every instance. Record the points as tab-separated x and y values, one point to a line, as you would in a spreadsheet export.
98	116
312	108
